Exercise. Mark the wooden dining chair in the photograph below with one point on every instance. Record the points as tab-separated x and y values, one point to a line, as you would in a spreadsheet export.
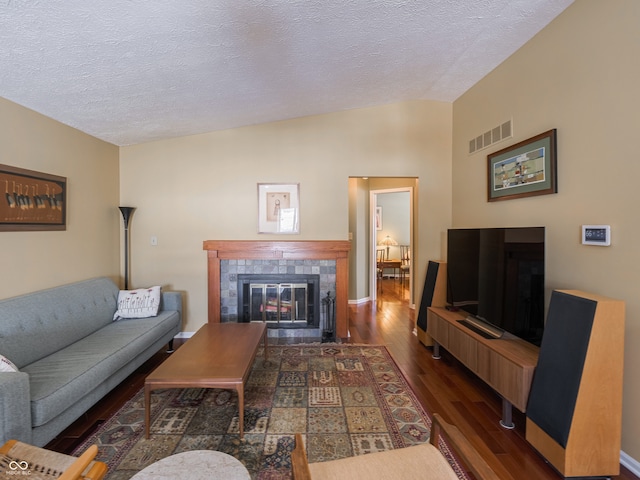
379	267
405	258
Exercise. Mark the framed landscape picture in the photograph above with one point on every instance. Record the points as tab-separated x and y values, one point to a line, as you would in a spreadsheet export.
525	169
278	208
32	201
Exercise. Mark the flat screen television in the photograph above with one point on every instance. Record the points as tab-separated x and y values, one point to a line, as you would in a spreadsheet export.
496	276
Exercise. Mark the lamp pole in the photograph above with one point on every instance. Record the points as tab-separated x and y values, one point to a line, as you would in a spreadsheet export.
127	212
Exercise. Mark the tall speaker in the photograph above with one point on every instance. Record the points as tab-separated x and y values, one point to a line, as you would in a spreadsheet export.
574	413
434	294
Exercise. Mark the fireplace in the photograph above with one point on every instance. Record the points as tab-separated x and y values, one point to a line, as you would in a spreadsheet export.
281	301
305	251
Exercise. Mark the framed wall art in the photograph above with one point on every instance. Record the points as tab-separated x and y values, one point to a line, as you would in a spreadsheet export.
32	201
525	169
378	218
279	208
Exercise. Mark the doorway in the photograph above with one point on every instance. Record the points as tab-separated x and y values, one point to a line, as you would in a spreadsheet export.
363	233
391	236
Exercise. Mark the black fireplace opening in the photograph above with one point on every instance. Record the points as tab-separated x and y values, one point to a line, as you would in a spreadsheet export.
280	300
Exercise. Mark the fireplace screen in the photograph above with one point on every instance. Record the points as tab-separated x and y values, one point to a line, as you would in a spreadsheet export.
279	303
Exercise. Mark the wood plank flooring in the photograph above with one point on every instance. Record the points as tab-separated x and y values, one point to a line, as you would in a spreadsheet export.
444	386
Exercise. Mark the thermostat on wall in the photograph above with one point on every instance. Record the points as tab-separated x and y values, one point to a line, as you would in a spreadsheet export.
596	235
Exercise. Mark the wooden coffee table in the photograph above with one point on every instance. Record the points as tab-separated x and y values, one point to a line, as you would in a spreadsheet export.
219	355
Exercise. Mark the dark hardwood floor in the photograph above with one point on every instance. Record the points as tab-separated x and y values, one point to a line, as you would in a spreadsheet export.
444	386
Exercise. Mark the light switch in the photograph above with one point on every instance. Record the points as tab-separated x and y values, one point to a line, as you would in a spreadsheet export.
154	240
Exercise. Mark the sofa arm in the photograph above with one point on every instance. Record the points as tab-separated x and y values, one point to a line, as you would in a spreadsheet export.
172	301
15	407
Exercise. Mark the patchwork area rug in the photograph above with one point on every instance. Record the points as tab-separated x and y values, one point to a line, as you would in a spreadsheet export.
346	399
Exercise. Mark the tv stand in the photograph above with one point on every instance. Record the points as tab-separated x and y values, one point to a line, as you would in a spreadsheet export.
505	363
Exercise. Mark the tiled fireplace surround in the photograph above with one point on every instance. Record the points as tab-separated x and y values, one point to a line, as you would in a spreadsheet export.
227	258
230	269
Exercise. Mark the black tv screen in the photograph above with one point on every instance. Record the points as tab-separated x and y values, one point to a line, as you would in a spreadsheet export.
497	275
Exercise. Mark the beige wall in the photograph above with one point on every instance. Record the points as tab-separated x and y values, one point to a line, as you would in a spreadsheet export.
90	245
203	187
359	225
579	75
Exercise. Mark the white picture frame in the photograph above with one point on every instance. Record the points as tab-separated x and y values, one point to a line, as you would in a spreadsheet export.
279	208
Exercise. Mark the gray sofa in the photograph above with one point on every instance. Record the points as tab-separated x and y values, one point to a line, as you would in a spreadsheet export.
70	353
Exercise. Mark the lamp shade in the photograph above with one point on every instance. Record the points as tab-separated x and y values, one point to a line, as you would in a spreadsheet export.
126	217
126	214
387	242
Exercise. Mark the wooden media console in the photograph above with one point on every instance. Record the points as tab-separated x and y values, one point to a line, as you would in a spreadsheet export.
506	364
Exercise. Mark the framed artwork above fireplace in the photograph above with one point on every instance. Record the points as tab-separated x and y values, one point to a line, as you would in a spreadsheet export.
279	208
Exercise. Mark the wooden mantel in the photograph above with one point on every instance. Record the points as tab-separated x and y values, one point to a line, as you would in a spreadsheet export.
337	250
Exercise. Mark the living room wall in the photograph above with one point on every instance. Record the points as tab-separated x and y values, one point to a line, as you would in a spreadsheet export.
204	187
90	245
578	75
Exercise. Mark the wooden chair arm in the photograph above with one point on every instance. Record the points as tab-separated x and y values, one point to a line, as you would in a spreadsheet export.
77	467
299	461
97	471
7	446
468	454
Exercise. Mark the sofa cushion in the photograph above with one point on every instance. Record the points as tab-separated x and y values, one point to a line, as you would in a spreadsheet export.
62	378
54	318
140	303
7	365
420	461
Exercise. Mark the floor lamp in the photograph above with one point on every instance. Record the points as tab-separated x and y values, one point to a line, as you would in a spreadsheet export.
127	212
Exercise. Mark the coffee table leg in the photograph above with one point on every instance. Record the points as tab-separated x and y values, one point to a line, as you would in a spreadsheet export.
240	389
147	410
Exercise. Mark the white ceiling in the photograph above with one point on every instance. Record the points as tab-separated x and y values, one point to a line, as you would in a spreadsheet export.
130	71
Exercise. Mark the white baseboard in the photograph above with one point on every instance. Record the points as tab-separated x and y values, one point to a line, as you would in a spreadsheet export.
185	335
359	301
631	463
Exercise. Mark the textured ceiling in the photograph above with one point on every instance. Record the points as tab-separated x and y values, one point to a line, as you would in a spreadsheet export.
131	71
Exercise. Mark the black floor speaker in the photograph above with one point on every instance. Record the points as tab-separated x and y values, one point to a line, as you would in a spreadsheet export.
574	413
434	294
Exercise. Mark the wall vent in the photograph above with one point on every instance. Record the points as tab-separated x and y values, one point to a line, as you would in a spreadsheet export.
491	137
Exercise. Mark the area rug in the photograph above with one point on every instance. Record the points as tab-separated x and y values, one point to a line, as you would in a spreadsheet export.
346	400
